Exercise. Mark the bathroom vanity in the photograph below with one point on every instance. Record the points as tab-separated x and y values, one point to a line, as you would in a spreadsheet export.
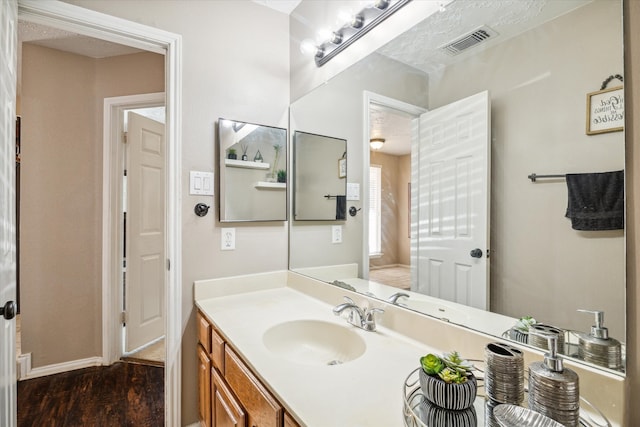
253	372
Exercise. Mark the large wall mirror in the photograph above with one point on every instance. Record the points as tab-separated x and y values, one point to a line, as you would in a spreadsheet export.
521	89
253	172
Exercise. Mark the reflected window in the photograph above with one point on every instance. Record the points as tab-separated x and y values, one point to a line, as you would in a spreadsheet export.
375	210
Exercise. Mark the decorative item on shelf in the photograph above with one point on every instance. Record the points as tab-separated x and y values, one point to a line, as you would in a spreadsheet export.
258	157
433	415
508	415
244	151
597	346
231	154
276	148
520	331
504	373
282	175
554	390
447	381
538	336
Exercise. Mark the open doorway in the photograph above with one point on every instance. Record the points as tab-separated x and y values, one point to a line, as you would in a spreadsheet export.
62	87
391	130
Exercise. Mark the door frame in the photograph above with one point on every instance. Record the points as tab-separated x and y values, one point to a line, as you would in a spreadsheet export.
106	27
113	165
368	99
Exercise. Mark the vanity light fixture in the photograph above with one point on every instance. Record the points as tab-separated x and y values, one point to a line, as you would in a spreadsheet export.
356	26
376	143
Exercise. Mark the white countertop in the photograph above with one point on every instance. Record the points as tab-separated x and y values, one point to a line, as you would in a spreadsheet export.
363	392
366	391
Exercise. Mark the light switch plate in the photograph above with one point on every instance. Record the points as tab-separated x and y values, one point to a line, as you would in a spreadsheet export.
201	183
228	239
353	191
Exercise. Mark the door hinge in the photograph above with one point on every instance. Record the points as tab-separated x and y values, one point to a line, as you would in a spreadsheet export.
168	264
124	137
123	317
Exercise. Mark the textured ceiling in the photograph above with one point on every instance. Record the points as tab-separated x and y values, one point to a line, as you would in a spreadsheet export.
419	47
392	125
29	32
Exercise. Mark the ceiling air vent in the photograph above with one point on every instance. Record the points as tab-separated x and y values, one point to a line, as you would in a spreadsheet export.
469	40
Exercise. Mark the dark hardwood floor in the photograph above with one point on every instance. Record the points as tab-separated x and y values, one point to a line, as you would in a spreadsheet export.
123	394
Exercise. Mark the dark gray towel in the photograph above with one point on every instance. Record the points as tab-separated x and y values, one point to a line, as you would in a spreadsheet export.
596	200
341	207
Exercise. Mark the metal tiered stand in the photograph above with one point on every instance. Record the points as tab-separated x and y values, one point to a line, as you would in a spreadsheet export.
418	412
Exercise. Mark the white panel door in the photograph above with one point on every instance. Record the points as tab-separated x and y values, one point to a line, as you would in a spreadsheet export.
8	37
146	260
453	202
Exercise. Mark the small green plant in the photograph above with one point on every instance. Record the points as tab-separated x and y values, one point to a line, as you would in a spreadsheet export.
450	367
282	175
231	151
525	323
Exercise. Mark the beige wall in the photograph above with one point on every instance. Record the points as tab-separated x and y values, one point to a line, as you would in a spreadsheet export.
337	109
235	63
60	210
61	194
394	240
540	266
632	137
404	240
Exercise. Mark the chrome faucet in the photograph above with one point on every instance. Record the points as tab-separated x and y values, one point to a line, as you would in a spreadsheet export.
393	299
362	317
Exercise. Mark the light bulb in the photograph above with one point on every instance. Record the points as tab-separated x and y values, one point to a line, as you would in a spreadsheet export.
308	47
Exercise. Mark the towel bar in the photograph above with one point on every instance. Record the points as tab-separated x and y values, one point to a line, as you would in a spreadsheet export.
533	177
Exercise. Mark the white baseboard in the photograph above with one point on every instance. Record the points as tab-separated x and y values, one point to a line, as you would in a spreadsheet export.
25	372
23	367
194	425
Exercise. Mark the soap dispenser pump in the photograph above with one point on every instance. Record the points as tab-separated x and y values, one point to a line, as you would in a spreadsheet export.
597	347
554	390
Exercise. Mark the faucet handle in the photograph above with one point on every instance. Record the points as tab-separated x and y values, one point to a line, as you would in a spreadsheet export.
369	321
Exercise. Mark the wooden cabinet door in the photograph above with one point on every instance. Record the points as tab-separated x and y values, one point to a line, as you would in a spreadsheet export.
263	410
289	421
227	412
204	332
204	387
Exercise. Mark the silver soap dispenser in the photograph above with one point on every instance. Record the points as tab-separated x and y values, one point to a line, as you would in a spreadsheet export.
597	347
554	390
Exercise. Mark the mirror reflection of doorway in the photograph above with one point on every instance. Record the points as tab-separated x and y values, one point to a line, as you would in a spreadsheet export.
390	134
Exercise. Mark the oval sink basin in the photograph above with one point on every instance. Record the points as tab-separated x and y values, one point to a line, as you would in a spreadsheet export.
314	342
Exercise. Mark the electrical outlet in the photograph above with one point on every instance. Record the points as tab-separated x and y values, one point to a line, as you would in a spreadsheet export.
228	240
336	234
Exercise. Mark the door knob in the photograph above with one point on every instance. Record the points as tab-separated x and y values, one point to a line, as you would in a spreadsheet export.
476	253
8	311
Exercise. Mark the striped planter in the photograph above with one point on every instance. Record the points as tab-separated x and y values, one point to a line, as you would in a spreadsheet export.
448	396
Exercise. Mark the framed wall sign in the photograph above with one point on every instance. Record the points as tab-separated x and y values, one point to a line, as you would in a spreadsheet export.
605	111
342	168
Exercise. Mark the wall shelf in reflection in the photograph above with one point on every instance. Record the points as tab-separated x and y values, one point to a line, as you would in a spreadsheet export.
270	185
245	164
